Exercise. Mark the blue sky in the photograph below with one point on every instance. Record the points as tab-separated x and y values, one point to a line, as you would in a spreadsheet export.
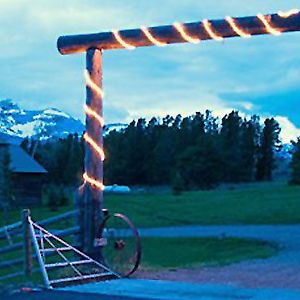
259	75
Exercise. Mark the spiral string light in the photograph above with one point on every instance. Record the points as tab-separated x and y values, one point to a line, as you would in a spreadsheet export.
121	40
93	182
287	14
268	25
91	113
234	26
87	138
208	26
95	146
265	20
209	29
91	84
182	31
151	38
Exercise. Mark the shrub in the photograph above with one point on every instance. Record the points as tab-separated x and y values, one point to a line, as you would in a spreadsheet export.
177	184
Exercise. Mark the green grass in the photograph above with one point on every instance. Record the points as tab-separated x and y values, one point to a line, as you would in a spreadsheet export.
190	252
162	253
38	213
258	204
274	203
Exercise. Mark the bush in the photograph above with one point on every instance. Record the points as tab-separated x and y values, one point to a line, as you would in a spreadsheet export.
56	196
177	184
64	196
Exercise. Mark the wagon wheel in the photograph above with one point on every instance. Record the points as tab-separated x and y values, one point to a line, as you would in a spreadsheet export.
121	251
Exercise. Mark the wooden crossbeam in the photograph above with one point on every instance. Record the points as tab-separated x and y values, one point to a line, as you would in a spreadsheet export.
169	34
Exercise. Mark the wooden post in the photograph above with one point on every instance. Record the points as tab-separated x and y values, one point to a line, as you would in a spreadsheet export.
93	196
28	262
169	35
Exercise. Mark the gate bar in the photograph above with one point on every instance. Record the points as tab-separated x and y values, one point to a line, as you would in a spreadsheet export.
283	22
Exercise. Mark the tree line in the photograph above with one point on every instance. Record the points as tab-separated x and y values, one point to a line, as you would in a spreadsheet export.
194	152
198	151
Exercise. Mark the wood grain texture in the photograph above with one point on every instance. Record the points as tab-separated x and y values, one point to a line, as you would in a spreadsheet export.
169	35
93	196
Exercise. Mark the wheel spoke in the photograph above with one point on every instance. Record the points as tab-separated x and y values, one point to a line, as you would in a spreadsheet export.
122	252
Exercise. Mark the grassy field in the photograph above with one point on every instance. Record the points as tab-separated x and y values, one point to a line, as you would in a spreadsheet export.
257	204
274	203
191	252
177	253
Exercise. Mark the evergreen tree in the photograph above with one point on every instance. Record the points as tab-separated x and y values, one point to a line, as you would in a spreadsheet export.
164	152
249	148
177	183
25	144
231	147
199	165
191	152
7	193
295	164
269	144
115	164
72	174
197	127
211	124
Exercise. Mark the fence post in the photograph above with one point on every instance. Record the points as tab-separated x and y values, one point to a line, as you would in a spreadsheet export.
27	243
93	195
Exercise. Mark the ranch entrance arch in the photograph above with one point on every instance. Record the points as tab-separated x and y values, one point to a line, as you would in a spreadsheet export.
95	44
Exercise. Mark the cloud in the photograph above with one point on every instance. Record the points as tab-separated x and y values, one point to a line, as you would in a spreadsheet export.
242	74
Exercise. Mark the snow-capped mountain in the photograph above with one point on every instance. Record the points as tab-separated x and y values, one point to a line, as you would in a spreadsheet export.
17	123
114	126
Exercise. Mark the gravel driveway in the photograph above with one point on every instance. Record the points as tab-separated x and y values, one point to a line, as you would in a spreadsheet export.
279	271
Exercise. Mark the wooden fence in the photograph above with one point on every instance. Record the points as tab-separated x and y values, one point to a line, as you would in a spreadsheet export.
15	241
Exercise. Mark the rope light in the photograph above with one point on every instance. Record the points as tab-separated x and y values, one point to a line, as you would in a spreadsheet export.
151	38
87	179
236	28
121	41
287	14
91	113
180	28
91	84
209	29
95	146
268	25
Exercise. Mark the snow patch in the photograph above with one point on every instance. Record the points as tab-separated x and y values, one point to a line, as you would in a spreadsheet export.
288	129
24	130
51	111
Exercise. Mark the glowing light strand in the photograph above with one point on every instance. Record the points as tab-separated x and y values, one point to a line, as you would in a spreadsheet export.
187	37
93	114
121	40
180	28
91	84
237	29
93	182
268	25
95	146
287	14
209	29
151	38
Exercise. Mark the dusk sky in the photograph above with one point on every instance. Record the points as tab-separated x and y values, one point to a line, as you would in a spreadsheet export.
259	75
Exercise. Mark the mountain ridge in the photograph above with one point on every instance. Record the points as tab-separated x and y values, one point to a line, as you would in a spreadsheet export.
17	123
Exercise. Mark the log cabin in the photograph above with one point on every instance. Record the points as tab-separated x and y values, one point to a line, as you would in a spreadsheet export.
28	176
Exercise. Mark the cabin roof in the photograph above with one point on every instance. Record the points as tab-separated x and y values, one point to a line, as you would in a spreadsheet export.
21	161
